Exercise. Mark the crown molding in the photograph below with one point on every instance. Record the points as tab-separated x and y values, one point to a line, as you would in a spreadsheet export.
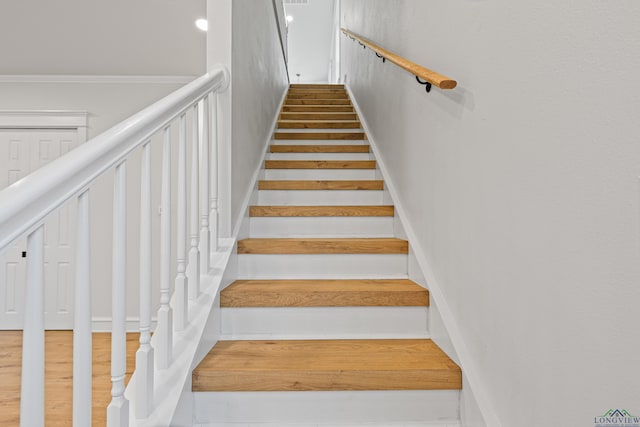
95	79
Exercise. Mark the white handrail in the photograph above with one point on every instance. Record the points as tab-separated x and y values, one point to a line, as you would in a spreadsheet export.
26	203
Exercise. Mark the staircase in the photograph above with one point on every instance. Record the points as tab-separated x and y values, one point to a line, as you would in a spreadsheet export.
324	326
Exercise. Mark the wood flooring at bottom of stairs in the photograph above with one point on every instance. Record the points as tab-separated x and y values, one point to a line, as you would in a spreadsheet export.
58	376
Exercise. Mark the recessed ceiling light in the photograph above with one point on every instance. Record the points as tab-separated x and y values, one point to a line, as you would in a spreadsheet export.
289	18
202	24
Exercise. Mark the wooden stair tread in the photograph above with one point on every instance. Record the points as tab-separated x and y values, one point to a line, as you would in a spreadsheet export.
320	164
318	116
318	124
274	148
320	211
324	293
318	109
317	95
326	365
316	86
338	101
320	135
367	185
317	89
323	246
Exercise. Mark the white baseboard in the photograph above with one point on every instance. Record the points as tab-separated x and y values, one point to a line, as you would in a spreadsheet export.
316	408
103	324
251	192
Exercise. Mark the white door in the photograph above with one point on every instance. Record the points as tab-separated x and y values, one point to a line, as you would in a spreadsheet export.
22	152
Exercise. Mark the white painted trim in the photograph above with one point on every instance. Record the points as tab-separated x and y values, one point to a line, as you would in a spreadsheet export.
328	408
103	324
70	78
253	183
45	119
468	365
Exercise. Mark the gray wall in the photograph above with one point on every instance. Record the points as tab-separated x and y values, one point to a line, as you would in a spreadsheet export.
141	37
259	80
520	188
310	36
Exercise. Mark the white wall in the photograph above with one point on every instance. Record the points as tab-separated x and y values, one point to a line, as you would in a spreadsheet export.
520	187
310	36
142	37
259	80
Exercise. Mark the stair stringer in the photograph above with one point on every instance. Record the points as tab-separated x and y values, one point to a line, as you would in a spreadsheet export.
474	399
183	415
167	400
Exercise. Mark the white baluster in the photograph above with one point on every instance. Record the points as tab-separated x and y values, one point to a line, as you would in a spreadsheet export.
32	387
118	409
205	252
82	339
181	313
164	330
144	355
213	215
193	268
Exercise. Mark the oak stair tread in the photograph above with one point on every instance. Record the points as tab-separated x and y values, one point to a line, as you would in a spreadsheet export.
318	116
344	101
320	211
316	86
324	293
318	124
317	95
319	148
320	135
365	185
281	246
326	365
318	109
320	164
316	91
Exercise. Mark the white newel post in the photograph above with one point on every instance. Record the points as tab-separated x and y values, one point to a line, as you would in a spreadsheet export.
144	355
205	248
164	352
181	313
32	387
118	409
82	339
213	215
193	268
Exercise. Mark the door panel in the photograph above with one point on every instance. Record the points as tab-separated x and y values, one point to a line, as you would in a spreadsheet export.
22	152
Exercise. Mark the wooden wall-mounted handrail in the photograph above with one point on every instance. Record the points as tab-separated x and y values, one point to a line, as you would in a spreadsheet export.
436	79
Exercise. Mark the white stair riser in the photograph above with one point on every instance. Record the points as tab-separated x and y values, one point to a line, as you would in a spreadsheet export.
320	197
321	227
282	323
356	266
320	141
328	407
321	174
320	156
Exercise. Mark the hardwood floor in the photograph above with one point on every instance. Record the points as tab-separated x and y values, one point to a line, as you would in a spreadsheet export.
58	376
